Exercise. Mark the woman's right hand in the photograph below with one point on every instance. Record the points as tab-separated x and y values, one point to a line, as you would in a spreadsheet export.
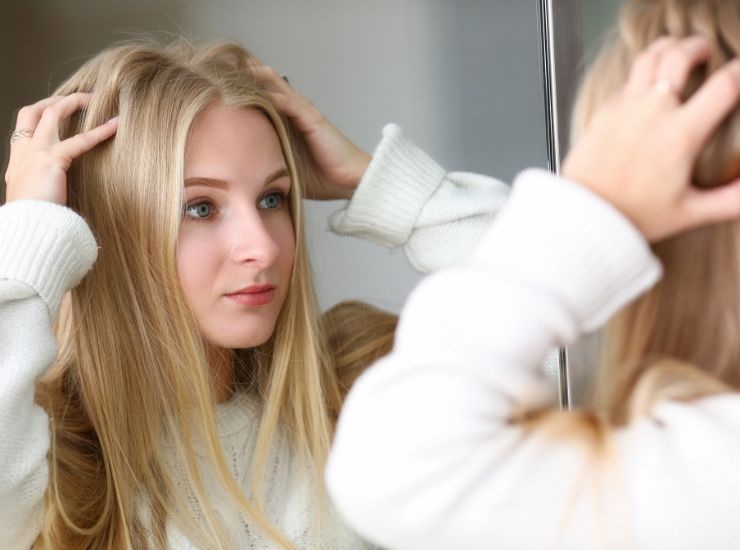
339	162
638	151
39	160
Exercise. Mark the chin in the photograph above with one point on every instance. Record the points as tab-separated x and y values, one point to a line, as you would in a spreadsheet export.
250	337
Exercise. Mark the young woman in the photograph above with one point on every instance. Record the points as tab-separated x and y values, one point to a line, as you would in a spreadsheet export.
192	399
448	442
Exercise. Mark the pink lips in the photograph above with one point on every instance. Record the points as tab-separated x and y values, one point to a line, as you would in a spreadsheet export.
255	295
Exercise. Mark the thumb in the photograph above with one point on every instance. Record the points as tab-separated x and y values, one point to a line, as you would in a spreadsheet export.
705	206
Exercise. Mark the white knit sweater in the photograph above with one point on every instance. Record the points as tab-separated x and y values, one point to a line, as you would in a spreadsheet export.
427	454
405	199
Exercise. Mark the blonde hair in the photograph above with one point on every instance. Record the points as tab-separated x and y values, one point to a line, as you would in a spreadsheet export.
131	387
357	335
681	340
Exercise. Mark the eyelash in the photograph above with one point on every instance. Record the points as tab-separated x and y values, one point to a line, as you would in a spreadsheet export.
188	207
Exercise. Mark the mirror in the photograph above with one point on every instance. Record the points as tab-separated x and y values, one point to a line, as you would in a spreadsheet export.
576	33
465	80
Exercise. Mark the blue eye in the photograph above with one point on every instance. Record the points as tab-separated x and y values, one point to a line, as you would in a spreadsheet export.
273	201
199	210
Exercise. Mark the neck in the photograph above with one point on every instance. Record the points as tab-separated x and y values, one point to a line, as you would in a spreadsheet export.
221	365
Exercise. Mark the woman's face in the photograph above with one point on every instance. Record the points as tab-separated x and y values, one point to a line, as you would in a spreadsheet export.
236	243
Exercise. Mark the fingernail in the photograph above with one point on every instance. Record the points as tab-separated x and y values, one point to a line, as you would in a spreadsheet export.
113	120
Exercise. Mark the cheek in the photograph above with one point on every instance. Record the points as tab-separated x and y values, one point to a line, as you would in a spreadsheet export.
197	263
284	237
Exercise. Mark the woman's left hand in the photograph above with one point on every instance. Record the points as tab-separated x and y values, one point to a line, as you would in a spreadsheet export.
339	162
639	150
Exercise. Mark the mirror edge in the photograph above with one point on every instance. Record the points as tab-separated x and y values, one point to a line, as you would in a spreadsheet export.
561	41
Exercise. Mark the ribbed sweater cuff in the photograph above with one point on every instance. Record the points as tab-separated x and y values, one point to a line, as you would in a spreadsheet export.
392	193
596	261
46	246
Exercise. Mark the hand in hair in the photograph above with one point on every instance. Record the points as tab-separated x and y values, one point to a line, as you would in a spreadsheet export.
639	149
340	162
39	160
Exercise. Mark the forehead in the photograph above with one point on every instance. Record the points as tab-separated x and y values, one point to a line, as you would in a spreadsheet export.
228	143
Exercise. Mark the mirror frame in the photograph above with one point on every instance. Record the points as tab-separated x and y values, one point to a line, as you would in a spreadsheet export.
561	41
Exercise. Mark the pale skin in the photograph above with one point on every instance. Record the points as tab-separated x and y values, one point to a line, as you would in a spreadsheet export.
237	231
340	162
639	149
637	154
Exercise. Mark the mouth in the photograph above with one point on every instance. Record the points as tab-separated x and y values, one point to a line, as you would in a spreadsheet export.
255	295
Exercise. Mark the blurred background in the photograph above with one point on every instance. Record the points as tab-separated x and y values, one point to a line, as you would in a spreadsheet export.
463	79
598	17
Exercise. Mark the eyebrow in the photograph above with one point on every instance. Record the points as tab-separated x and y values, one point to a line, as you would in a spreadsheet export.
214	182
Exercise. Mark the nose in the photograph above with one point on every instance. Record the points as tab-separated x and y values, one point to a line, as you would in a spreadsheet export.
251	242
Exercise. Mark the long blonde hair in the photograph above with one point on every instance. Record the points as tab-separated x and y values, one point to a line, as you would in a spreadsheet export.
681	340
132	372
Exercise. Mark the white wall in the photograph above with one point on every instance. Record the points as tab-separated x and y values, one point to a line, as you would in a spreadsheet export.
462	78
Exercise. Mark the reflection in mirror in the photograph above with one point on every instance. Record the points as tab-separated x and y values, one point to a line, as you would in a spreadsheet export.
579	30
597	17
464	80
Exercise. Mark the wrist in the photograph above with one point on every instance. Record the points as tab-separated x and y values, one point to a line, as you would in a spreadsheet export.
359	167
353	174
607	194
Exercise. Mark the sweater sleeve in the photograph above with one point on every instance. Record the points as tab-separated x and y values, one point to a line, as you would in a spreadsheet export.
406	199
430	452
45	249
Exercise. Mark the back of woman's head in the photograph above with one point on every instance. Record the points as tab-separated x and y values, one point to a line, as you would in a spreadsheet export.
640	23
132	370
692	317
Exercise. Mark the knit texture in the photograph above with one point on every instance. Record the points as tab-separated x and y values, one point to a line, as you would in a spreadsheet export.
430	452
405	199
44	250
291	495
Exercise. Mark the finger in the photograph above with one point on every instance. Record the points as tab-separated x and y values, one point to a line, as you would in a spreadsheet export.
708	107
73	147
714	205
279	100
268	75
29	116
48	127
642	73
678	60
